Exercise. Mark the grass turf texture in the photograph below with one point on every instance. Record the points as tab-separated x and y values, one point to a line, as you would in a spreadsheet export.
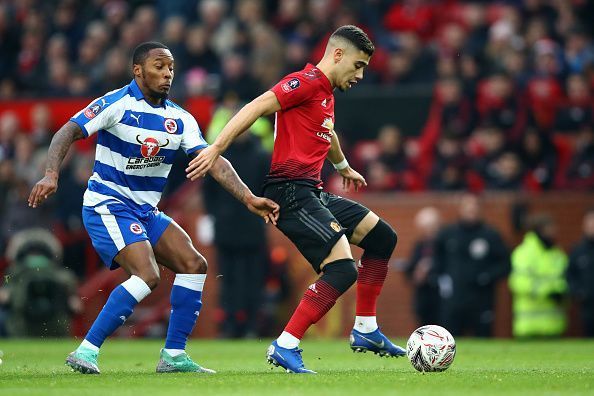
563	367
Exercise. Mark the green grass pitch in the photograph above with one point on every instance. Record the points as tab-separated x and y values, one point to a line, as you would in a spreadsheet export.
502	367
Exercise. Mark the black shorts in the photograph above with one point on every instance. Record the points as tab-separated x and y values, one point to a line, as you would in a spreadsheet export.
312	219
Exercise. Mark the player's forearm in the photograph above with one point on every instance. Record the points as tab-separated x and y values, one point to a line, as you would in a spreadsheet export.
241	122
59	146
335	154
225	175
264	104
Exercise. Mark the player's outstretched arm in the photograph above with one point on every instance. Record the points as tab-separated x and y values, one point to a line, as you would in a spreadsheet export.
265	104
58	148
225	175
349	175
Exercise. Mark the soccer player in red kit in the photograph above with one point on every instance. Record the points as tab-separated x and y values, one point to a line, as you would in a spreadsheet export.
320	224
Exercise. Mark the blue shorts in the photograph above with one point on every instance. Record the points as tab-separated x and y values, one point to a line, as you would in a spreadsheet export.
113	226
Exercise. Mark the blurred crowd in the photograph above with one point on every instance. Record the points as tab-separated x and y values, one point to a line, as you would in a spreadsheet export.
512	87
457	268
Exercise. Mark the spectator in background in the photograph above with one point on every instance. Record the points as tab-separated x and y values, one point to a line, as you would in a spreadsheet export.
470	257
173	34
115	71
419	270
230	105
243	262
450	165
514	64
41	125
499	105
9	128
505	173
580	274
457	114
296	53
576	111
580	174
538	155
76	171
492	144
389	163
236	77
537	281
198	53
411	16
579	51
266	55
391	145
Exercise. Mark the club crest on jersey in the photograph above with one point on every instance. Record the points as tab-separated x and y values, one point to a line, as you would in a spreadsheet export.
291	85
136	228
94	109
170	125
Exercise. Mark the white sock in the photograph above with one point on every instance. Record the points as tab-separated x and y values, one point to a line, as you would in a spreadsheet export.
190	281
287	340
137	288
365	324
174	352
88	345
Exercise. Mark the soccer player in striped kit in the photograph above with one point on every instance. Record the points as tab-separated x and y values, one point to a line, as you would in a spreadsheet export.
139	131
320	224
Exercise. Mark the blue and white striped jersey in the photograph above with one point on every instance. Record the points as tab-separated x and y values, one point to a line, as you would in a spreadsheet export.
136	146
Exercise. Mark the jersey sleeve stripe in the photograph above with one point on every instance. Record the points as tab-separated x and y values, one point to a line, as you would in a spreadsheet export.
81	125
194	149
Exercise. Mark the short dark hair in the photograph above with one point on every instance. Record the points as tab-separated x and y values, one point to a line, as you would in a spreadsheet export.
141	51
356	36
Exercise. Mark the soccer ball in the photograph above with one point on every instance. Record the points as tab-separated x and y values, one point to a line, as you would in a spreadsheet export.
431	348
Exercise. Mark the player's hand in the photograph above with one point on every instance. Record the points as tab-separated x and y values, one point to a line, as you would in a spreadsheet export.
43	189
202	162
351	177
265	208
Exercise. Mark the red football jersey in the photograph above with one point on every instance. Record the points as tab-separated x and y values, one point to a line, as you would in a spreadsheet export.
303	126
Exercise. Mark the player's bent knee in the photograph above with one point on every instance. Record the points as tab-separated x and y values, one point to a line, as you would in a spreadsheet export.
381	240
196	265
152	279
340	274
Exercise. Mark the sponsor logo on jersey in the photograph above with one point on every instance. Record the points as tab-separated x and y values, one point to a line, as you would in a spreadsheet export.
324	103
149	148
329	125
170	125
136	117
291	85
136	228
311	74
335	226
